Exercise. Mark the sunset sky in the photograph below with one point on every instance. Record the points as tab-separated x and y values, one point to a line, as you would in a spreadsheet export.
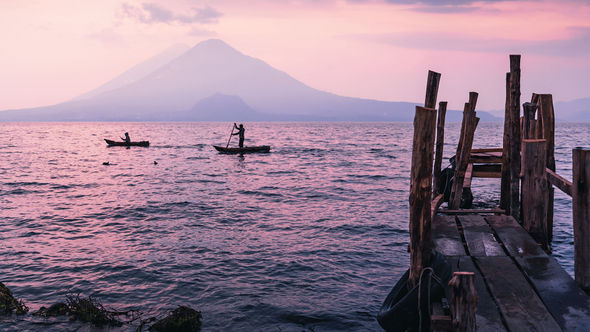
52	51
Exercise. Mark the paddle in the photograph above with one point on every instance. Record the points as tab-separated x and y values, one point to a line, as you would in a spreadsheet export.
230	135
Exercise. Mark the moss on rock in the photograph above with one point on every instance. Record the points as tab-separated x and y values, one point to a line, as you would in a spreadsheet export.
182	319
9	304
90	310
56	309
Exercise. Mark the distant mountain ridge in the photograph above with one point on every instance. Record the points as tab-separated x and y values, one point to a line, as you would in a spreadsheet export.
214	82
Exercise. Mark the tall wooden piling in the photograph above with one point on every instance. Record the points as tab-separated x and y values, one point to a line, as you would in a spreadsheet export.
463	301
546	128
581	213
440	142
510	194
529	128
421	191
534	190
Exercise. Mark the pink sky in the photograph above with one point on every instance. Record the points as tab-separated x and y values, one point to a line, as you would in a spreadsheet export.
52	51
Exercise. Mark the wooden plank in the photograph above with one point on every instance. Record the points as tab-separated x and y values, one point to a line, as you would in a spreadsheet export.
558	181
470	211
505	182
487	315
567	303
421	191
515	239
488	175
581	213
534	190
446	237
463	301
440	142
486	150
464	151
520	306
436	203
546	126
479	237
487	168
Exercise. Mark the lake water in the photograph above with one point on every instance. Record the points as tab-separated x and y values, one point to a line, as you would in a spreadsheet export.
311	236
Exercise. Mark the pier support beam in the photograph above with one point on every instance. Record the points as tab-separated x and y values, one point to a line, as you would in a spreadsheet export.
534	190
463	301
421	191
581	212
440	142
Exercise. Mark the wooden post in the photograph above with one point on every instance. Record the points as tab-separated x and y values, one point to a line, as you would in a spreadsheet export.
431	89
514	146
421	191
440	142
534	190
463	301
581	212
546	130
505	182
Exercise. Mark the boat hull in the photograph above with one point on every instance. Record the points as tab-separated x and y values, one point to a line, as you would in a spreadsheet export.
246	149
119	143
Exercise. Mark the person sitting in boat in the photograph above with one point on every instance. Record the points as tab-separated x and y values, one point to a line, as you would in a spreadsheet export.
127	139
240	132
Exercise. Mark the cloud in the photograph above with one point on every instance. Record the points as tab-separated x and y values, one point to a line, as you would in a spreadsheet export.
576	44
153	13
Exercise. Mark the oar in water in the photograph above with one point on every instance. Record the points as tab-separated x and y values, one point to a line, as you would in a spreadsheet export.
230	135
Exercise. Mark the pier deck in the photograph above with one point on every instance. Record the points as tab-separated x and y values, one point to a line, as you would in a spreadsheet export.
519	286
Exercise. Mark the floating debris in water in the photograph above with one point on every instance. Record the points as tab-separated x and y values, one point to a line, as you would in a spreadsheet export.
91	310
155	162
106	163
9	304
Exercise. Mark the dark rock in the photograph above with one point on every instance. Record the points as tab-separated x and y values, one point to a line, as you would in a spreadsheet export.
56	309
182	319
9	304
90	310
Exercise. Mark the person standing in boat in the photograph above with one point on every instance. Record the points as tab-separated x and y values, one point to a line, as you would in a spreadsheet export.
127	139
240	132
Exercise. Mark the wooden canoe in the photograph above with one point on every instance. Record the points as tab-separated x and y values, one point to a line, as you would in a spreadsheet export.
123	143
246	149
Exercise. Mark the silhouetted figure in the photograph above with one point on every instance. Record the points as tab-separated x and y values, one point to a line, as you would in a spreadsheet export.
127	139
240	132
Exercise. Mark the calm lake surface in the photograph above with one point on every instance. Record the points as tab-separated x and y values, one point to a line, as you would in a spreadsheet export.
311	236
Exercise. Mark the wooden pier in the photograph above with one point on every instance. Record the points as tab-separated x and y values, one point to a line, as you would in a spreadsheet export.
504	277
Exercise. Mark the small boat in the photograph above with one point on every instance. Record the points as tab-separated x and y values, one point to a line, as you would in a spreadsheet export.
246	149
404	306
123	143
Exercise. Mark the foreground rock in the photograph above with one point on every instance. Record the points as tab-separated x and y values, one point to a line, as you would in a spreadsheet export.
9	304
182	319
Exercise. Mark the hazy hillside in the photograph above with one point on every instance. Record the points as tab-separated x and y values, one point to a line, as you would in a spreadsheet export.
213	82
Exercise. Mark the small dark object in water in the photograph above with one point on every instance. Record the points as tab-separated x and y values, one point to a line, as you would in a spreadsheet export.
8	303
400	312
246	149
155	162
106	163
56	309
118	143
182	319
90	310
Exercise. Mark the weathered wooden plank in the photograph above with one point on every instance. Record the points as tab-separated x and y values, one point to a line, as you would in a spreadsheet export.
487	316
421	191
486	150
528	126
446	237
520	306
464	151
496	168
534	190
559	181
567	303
581	213
440	142
488	175
479	237
436	203
515	238
468	175
471	211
